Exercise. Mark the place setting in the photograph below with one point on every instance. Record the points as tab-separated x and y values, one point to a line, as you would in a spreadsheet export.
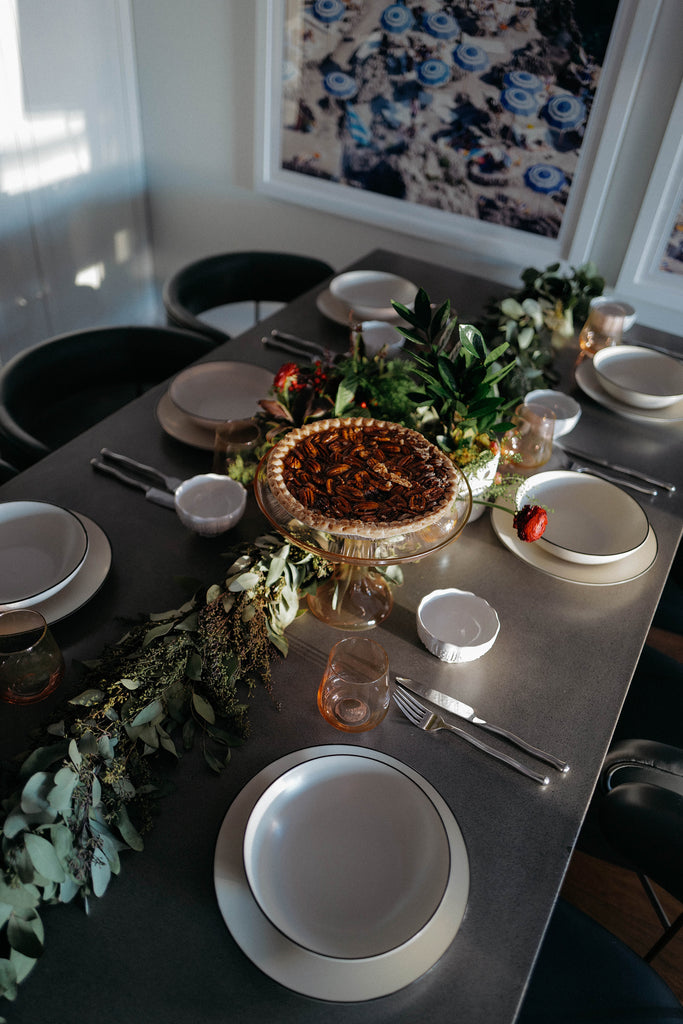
637	383
52	559
365	295
205	395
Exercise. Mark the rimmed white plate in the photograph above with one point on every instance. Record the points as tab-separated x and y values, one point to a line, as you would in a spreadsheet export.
320	856
314	974
42	547
211	393
588	381
609	574
87	581
639	377
369	293
181	427
590	521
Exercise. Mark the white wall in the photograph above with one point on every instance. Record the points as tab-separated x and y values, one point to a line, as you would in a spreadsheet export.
197	68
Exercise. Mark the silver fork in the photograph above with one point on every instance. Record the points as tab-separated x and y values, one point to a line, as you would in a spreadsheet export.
425	719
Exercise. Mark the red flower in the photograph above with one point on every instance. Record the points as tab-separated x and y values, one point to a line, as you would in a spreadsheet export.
530	522
286	377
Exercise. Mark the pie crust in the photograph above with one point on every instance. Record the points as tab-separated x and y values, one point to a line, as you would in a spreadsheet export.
362	477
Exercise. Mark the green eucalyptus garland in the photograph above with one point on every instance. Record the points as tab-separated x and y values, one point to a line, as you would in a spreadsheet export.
86	793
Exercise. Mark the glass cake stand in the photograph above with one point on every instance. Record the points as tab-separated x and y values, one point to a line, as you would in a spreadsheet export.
357	596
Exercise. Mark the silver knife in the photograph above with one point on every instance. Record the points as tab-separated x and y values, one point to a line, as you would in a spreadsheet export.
457	707
155	494
293	339
598	461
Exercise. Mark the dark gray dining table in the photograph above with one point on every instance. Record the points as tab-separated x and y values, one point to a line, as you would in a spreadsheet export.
155	947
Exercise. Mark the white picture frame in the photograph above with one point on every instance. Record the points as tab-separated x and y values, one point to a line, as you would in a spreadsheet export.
657	293
620	77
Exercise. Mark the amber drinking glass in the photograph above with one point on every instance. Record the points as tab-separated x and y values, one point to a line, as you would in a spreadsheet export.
529	444
31	663
603	328
235	439
354	692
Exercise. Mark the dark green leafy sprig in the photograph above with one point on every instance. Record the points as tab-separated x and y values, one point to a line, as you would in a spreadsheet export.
457	375
86	794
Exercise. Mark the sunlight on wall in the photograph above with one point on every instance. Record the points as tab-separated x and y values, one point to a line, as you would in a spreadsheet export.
35	149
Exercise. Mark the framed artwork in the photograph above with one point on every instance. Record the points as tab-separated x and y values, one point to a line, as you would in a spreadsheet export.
489	124
652	272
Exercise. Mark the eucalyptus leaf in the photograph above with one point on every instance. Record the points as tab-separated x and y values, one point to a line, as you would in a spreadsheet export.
18	895
213	593
129	833
148	714
22	936
131	684
42	758
214	763
156	632
88	698
8	980
44	857
100	872
34	794
61	793
203	708
245	581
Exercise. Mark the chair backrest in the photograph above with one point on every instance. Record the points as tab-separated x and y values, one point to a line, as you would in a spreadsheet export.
640	807
237	277
586	974
55	390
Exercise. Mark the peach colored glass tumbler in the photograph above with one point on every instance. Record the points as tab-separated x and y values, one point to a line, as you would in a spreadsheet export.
354	692
31	663
529	444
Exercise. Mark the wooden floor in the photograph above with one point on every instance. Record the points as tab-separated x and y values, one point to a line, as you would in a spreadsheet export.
614	896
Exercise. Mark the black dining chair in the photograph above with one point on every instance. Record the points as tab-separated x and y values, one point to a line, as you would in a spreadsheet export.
236	277
640	811
55	390
586	975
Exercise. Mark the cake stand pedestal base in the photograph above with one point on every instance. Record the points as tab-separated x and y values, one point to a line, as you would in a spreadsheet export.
355	597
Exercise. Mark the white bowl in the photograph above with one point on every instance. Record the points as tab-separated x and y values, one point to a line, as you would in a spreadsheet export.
639	377
590	521
42	547
456	625
378	336
210	504
211	393
567	410
369	293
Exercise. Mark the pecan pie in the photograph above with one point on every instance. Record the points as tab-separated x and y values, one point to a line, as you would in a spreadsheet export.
362	477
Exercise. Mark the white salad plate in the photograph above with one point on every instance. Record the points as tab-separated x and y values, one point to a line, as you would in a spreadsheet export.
589	382
86	582
42	547
211	393
304	794
639	377
604	575
590	521
369	293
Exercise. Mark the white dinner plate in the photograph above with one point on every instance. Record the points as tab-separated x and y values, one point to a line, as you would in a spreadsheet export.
211	393
590	520
588	381
42	547
639	377
320	856
181	427
336	310
608	574
369	293
340	979
87	581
